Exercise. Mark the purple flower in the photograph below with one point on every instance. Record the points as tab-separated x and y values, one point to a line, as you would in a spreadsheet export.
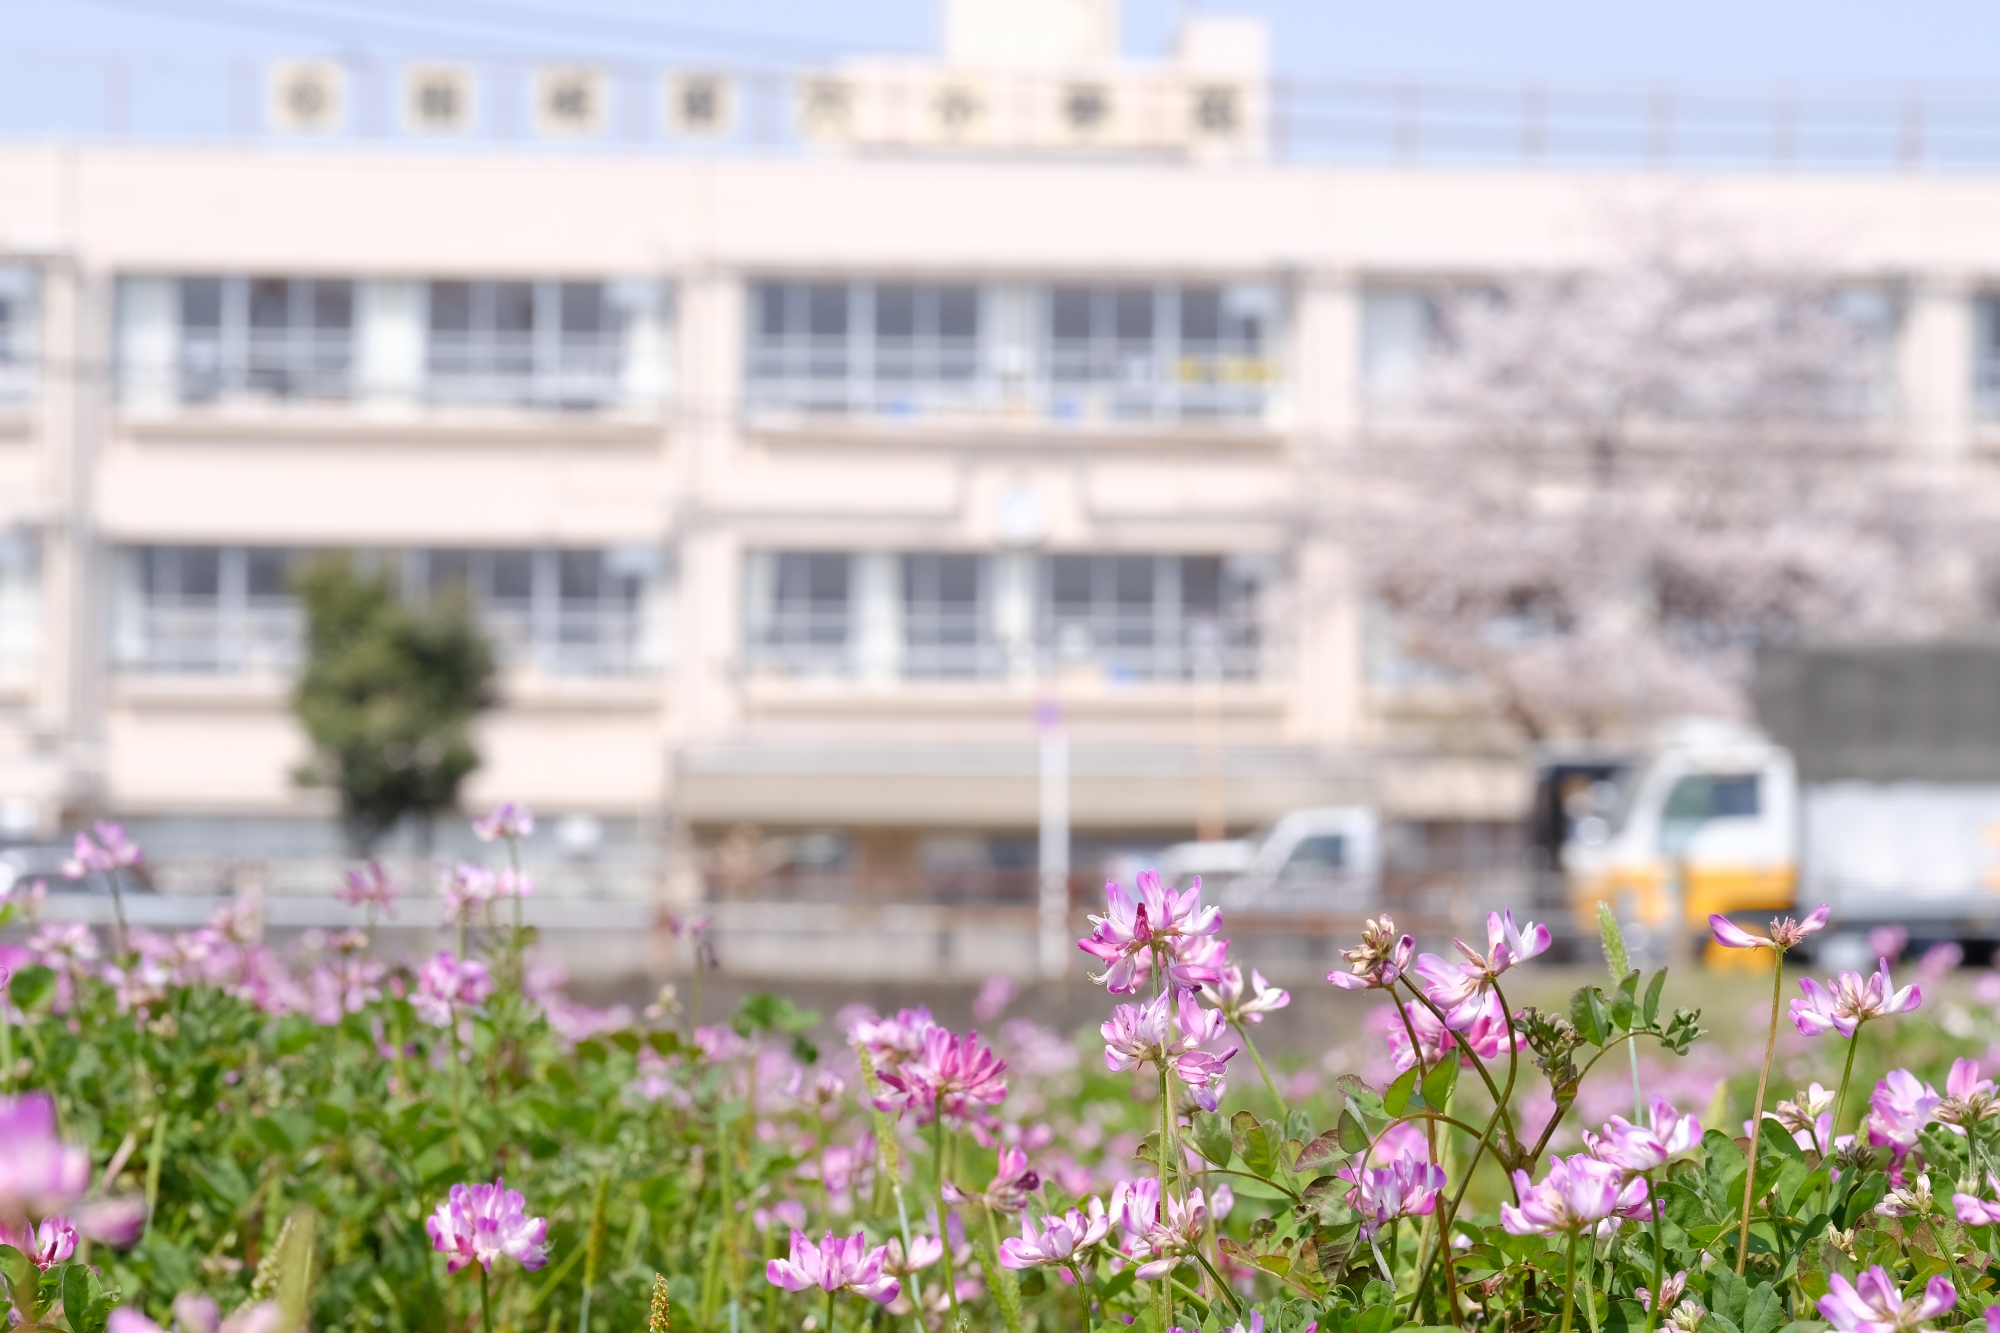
467	890
483	1222
1850	1002
1974	1211
1872	1303
445	985
1013	1181
1578	1192
1406	1187
49	1244
1144	1034
39	1173
890	1041
948	1076
1968	1098
112	851
369	886
835	1265
1635	1148
995	994
1670	1292
1125	936
1061	1238
1785	932
509	820
1461	989
1226	994
1899	1107
1379	961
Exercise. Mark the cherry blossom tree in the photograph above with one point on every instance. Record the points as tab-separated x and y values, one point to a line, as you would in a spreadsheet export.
1605	489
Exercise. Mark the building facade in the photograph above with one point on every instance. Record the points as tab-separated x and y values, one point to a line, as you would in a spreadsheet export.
789	487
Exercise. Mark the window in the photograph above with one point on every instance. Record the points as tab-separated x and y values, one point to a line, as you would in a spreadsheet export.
800	612
20	599
289	339
1160	351
522	344
1151	617
231	609
893	348
1986	356
946	622
1398	330
17	333
1697	799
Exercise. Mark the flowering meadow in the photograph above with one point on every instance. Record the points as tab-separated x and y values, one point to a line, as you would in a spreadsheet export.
200	1133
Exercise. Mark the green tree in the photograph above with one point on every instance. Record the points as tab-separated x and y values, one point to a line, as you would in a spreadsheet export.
387	695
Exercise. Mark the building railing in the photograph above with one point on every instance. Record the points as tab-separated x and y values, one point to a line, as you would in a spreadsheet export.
312	365
570	372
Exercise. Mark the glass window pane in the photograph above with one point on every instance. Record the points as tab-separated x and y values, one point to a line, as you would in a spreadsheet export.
1069	581
201	303
267	571
958	580
826	578
1132	580
579	576
770	310
1132	312
332	305
1201	314
514	307
1069	312
451	307
826	310
958	312
270	303
200	572
895	312
582	307
1201	583
448	571
514	575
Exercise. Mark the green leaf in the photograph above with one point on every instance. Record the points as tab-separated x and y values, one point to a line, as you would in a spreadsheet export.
1352	1136
1774	1142
1396	1097
1326	1148
331	1117
1211	1137
1727	1294
1261	1148
1625	1003
1590	1014
1299	1125
75	1295
1377	1318
30	986
1723	1164
1651	1007
284	1130
1717	1322
1762	1311
23	1280
1439	1083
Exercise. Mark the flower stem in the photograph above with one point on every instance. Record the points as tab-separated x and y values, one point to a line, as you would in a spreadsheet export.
1284	1112
1166	1296
1569	1287
1840	1097
944	1232
485	1302
1659	1260
1590	1271
829	1312
1757	1115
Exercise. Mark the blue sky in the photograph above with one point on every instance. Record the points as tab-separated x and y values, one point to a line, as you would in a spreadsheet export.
1807	41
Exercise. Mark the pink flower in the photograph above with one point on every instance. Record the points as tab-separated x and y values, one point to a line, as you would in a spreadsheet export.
1125	936
1013	1181
1850	1002
1404	1188
1578	1192
836	1265
370	886
483	1222
1634	1148
948	1076
1461	989
1144	1034
509	820
445	985
890	1041
1158	1234
1785	932
924	1251
1968	1098
112	851
467	890
1899	1107
1670	1292
995	994
39	1173
1060	1240
1486	1036
1226	994
1873	1304
1379	961
49	1244
1974	1211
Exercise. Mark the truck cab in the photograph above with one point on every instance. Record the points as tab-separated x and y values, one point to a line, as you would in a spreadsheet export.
1707	822
1326	859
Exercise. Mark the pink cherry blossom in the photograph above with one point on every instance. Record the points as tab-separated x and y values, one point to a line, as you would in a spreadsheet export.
835	1265
1850	1002
481	1223
1874	1304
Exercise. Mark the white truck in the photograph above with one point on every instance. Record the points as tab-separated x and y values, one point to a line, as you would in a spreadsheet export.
1874	786
1323	860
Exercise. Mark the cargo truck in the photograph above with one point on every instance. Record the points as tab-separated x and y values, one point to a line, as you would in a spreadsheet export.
1872	784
